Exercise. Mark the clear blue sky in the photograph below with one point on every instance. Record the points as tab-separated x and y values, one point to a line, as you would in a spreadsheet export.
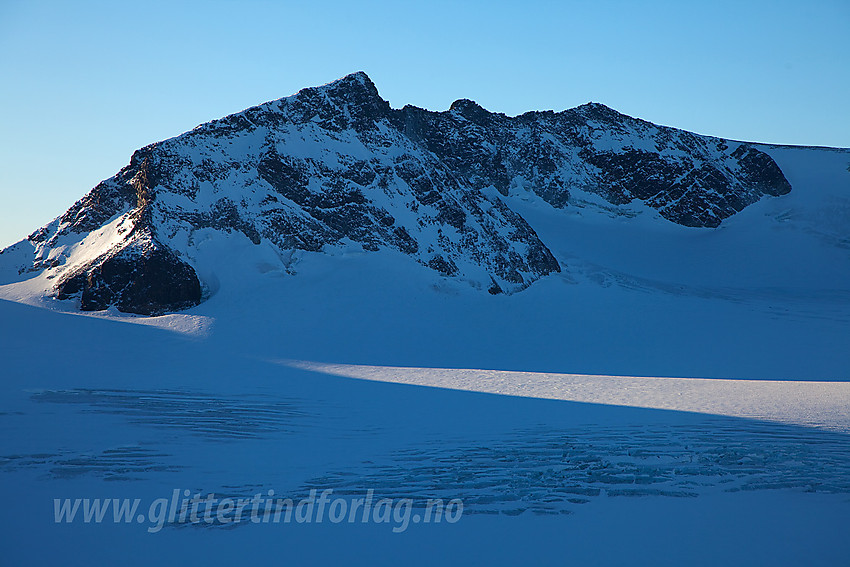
84	83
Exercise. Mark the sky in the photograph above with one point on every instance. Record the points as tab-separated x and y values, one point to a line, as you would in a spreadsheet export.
84	84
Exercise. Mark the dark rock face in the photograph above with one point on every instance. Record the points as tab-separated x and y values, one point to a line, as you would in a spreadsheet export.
335	166
150	283
141	275
761	171
691	180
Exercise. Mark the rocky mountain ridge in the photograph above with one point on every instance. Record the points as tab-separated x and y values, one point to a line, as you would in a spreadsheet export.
336	165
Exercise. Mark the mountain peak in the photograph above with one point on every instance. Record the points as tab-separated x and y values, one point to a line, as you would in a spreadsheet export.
597	110
359	77
470	110
357	81
334	166
352	99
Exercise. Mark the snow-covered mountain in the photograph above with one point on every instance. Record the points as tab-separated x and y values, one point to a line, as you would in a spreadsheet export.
335	169
673	372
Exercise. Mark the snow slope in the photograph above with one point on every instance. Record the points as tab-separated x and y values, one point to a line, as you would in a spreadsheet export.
95	407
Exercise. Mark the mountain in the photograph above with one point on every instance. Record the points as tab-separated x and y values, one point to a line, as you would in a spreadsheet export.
667	359
335	169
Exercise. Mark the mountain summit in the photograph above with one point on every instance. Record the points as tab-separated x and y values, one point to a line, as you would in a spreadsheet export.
336	167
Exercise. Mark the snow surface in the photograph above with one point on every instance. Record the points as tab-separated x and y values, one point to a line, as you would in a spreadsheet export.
818	404
92	407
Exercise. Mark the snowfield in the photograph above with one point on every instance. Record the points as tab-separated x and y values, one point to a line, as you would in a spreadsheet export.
746	471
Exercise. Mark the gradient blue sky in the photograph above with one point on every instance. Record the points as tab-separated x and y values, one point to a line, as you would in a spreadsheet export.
86	83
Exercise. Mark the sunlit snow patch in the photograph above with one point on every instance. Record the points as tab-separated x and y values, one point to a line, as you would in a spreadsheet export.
816	404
